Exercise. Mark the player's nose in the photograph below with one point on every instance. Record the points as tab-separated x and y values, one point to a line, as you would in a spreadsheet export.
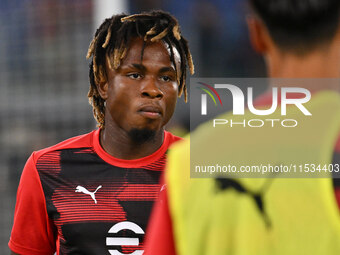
151	89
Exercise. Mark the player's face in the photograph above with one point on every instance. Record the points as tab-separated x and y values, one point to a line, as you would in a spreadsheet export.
142	92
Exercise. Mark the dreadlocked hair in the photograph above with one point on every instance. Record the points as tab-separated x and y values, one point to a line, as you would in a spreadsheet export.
111	42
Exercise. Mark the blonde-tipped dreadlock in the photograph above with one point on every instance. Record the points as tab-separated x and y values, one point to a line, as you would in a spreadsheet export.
111	43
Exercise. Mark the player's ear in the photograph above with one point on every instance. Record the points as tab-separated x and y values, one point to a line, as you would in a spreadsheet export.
103	84
103	89
258	34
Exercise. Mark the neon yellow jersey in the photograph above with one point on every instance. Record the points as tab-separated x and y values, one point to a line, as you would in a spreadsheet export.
290	216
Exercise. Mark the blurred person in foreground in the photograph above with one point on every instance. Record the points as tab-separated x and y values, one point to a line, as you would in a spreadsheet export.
92	194
298	39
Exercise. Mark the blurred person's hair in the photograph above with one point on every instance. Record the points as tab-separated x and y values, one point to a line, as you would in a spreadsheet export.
299	26
111	42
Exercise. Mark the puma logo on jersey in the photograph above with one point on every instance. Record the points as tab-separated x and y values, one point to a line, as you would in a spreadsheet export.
85	191
226	183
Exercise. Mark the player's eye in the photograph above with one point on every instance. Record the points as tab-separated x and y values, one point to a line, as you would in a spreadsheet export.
135	76
166	78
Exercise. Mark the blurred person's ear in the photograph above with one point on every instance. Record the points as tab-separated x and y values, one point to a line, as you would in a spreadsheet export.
337	36
259	35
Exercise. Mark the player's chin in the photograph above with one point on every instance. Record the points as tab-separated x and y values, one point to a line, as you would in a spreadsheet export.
142	135
151	124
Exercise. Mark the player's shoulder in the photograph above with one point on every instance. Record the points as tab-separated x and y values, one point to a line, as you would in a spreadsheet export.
80	141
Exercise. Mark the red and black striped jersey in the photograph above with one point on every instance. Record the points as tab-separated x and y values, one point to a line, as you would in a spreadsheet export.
74	198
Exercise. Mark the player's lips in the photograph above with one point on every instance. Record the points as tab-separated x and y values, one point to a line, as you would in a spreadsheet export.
150	111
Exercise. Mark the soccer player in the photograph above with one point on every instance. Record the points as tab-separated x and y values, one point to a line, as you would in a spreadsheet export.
299	39
92	194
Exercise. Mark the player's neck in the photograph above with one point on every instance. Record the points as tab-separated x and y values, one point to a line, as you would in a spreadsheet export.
318	64
119	143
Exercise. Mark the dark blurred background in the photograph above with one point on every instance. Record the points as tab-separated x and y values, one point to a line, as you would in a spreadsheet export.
44	72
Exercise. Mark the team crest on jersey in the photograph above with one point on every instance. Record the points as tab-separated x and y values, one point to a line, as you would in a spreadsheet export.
121	241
